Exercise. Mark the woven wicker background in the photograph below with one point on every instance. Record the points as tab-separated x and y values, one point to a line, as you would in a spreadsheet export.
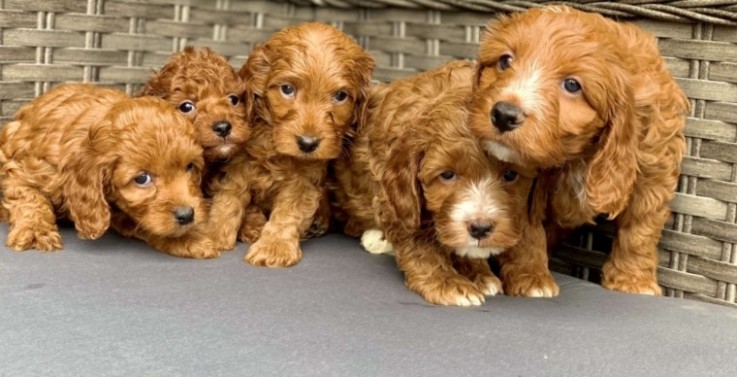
118	42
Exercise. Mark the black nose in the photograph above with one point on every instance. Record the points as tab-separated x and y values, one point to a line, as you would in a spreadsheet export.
479	230
222	128
506	116
307	144
184	215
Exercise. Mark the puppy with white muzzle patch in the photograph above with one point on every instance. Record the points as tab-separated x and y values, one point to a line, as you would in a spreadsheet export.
416	174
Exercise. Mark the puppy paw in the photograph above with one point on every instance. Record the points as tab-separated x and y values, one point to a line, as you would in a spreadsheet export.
318	228
452	290
223	244
489	285
274	253
250	233
526	284
620	281
195	247
374	242
39	236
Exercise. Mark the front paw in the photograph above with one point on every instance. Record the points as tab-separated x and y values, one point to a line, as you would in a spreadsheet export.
195	247
250	233
38	236
489	285
617	280
450	289
274	253
374	242
529	284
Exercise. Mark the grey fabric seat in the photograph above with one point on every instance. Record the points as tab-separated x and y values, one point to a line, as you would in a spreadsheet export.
116	307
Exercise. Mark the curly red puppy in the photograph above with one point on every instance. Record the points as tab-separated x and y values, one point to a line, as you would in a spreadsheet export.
307	84
592	101
205	88
103	160
416	173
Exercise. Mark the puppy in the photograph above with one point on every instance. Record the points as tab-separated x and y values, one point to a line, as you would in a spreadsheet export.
591	101
206	89
416	173
307	84
103	160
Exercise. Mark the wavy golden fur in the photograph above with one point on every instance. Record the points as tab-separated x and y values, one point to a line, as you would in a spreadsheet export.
306	83
103	160
417	173
591	101
203	86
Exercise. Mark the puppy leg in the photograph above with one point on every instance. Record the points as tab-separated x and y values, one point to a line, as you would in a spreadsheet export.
633	263
321	221
226	216
294	205
31	218
525	266
477	270
374	242
428	271
253	222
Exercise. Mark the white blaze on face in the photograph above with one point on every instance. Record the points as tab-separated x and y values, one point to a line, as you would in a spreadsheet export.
526	87
473	251
501	151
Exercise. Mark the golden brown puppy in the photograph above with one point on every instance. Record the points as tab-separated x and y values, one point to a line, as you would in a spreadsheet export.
101	159
592	101
205	88
307	84
416	173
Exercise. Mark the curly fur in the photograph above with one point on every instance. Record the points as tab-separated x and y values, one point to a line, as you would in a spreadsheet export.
613	148
393	180
206	80
276	189
75	153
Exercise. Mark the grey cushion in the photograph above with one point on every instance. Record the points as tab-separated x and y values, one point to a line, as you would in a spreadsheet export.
116	307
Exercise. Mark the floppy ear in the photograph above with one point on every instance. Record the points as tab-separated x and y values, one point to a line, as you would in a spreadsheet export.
400	196
255	75
612	171
363	67
87	174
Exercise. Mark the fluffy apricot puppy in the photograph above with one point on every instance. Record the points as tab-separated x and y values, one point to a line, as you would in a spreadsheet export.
418	175
307	83
591	101
103	160
207	90
203	86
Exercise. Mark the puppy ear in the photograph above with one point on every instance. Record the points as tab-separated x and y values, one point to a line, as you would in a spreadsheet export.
400	196
612	171
363	67
87	174
255	75
159	82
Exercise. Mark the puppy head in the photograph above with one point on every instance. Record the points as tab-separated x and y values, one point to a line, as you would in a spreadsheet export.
309	82
144	160
568	94
206	89
474	202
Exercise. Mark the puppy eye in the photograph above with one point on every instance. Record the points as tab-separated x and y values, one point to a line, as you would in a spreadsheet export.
448	175
233	99
186	107
143	179
340	96
190	167
504	62
510	175
571	86
287	90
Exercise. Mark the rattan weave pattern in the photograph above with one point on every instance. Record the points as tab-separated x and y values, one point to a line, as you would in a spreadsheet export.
118	42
